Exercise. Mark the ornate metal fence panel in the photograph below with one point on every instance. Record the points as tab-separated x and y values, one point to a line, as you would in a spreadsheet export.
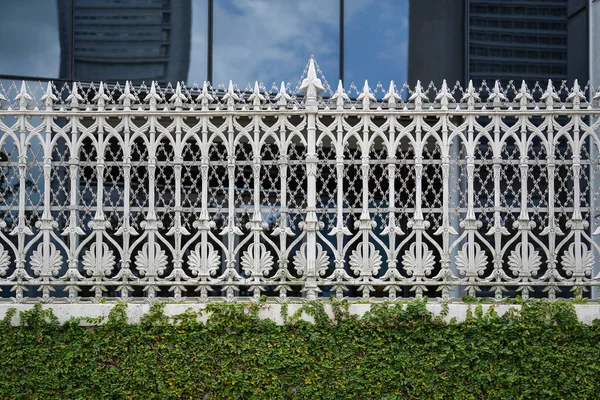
203	193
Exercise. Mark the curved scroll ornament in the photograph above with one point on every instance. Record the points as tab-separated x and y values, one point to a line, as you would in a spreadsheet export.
4	260
519	267
365	261
570	265
479	264
412	265
54	261
213	261
143	262
300	262
265	261
107	261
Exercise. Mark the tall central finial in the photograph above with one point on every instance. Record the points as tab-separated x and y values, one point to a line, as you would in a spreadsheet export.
311	84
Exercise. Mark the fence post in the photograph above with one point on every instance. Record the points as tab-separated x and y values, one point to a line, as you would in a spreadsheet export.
310	85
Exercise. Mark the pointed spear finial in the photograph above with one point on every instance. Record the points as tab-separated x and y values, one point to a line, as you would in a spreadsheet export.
231	97
153	98
126	98
497	97
444	96
256	97
391	96
178	97
311	84
23	97
418	97
74	98
470	96
205	98
101	98
340	96
597	94
523	96
49	98
576	95
282	97
366	96
550	95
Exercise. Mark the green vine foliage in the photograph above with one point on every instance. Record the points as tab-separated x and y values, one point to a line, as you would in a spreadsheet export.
392	352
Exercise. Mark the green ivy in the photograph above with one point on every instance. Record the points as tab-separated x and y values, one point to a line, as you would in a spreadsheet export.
392	352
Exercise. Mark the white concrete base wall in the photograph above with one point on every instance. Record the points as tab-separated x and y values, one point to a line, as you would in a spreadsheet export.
586	313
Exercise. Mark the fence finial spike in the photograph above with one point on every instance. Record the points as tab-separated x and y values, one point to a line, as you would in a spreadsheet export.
256	97
366	96
230	96
391	96
418	96
311	84
576	95
153	98
597	95
178	97
101	97
550	96
523	96
282	97
340	96
23	96
497	96
204	98
49	98
444	96
74	98
470	96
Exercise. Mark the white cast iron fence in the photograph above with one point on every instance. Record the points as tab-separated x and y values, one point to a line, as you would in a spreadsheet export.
205	193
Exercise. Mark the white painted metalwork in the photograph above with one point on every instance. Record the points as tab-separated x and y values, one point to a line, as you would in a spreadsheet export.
209	193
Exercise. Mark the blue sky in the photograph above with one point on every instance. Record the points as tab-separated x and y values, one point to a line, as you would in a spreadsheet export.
271	40
264	40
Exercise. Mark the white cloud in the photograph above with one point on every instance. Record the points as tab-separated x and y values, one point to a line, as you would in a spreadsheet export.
271	41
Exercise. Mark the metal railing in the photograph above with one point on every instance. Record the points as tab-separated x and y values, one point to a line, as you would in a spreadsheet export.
220	194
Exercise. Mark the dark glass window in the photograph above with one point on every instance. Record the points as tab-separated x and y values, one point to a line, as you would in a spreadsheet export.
29	38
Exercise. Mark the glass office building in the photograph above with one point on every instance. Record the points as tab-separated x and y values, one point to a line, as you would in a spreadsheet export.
197	40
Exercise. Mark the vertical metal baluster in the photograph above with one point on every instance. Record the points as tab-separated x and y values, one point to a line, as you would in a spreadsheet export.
178	230
392	274
445	229
52	257
149	267
231	275
366	255
552	230
283	230
340	230
21	230
99	222
524	224
204	224
73	230
418	223
310	85
577	224
470	223
497	230
126	230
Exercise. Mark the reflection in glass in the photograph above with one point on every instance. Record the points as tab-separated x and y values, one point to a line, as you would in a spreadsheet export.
271	41
139	40
29	38
199	45
376	42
